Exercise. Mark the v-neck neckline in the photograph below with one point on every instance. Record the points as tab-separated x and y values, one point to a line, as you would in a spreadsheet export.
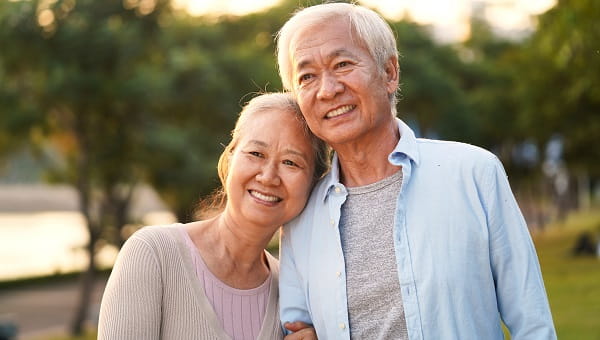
201	298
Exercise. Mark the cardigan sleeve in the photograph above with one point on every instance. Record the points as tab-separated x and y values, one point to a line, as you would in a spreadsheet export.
132	300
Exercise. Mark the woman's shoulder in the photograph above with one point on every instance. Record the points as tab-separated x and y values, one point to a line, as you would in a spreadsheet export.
156	230
156	236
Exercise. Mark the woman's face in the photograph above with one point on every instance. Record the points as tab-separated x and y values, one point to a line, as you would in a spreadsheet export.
270	171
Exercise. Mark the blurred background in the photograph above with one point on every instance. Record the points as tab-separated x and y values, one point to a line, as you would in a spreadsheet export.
113	114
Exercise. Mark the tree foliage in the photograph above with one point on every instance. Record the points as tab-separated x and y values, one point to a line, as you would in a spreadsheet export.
559	86
431	93
80	66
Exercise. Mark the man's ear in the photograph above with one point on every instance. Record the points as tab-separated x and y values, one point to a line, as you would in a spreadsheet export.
392	74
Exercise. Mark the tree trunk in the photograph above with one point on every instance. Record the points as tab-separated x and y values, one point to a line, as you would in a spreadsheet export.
122	204
86	288
84	191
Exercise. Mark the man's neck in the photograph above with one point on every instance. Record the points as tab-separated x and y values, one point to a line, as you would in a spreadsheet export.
365	161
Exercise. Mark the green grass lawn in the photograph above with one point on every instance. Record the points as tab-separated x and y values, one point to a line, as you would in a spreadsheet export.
572	283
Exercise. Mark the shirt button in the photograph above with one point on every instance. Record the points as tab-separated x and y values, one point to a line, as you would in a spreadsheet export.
332	221
338	274
342	325
338	190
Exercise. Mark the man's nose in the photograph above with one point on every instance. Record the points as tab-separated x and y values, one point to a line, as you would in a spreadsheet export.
329	87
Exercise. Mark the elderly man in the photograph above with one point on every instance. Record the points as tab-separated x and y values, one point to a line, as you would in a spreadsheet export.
405	238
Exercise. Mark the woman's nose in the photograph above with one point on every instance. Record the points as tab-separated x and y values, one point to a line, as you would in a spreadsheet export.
269	175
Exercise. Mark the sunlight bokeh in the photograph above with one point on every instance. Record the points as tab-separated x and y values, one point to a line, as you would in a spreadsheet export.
450	19
199	7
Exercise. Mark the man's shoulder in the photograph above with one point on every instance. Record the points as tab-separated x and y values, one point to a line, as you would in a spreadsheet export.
454	151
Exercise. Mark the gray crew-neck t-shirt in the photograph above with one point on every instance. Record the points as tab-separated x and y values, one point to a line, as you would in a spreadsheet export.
367	228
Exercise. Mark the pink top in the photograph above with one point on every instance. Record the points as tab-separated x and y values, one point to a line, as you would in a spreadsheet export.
240	311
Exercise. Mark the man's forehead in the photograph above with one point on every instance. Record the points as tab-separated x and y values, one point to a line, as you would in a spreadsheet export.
325	43
320	33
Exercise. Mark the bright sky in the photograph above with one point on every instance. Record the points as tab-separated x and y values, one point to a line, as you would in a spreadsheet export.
449	17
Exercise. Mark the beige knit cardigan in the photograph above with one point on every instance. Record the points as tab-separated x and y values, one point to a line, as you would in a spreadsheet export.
154	293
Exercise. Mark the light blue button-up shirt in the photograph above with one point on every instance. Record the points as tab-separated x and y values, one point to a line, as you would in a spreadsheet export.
464	254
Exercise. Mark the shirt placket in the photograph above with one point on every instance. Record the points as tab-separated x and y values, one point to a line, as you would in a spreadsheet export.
337	197
403	257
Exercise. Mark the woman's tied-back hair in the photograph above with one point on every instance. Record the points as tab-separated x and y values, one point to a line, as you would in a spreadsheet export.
367	27
277	101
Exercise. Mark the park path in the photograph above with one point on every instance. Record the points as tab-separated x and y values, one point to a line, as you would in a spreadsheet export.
45	310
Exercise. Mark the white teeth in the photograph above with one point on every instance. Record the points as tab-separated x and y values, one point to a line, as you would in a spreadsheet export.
264	197
339	111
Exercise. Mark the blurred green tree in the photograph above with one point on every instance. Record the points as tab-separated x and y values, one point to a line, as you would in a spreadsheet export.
560	82
20	120
489	77
80	66
432	97
128	92
559	98
214	65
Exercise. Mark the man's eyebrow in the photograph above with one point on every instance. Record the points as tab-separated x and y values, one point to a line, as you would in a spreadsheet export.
340	52
333	54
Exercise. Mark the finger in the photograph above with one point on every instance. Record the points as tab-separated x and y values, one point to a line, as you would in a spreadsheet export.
303	334
296	326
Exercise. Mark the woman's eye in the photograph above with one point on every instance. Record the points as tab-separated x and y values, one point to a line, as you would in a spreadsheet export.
290	163
255	153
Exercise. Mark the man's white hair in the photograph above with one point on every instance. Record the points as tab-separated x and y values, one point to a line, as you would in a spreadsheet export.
367	27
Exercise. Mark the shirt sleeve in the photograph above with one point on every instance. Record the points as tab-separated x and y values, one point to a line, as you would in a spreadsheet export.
520	291
292	300
131	304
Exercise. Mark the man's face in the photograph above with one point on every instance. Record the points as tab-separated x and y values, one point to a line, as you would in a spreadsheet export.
342	93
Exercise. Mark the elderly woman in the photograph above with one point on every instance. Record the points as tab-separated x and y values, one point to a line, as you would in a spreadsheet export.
213	278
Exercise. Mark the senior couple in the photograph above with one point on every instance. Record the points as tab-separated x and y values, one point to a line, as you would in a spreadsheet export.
402	238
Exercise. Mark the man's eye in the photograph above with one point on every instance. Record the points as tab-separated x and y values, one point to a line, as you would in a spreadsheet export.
343	64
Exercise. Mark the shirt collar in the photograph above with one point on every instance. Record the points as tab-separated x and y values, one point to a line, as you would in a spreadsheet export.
333	177
406	147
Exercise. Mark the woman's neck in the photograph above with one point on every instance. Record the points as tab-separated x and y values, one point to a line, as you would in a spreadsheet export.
233	254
